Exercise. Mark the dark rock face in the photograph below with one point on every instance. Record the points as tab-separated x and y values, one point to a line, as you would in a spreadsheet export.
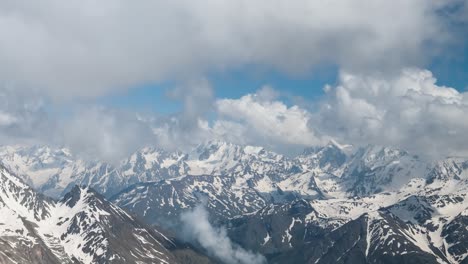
368	239
276	228
456	235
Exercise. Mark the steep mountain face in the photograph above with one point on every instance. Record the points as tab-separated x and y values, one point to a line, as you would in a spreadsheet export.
336	171
103	231
329	158
81	228
447	171
375	169
372	238
20	209
279	228
164	201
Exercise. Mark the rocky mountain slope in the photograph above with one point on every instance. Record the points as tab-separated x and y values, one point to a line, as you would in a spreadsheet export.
422	222
83	227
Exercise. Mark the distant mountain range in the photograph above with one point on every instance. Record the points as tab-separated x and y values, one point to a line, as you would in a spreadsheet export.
331	204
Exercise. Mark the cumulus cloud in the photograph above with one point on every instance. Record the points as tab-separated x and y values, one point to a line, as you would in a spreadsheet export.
88	48
408	110
215	240
266	120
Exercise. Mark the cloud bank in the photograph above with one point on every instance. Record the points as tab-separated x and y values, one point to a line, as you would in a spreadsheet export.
408	110
56	53
90	48
215	240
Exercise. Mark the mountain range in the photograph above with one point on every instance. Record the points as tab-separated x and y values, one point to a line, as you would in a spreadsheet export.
330	204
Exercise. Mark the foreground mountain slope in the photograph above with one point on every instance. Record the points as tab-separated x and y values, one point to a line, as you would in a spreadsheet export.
104	232
81	228
20	209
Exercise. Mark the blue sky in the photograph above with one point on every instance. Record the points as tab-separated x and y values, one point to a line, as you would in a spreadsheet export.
450	70
231	84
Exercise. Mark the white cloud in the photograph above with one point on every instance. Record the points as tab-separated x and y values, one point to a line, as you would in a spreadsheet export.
259	119
408	110
268	122
88	48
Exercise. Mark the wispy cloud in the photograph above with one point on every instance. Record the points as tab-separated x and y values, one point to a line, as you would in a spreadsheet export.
215	240
108	135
